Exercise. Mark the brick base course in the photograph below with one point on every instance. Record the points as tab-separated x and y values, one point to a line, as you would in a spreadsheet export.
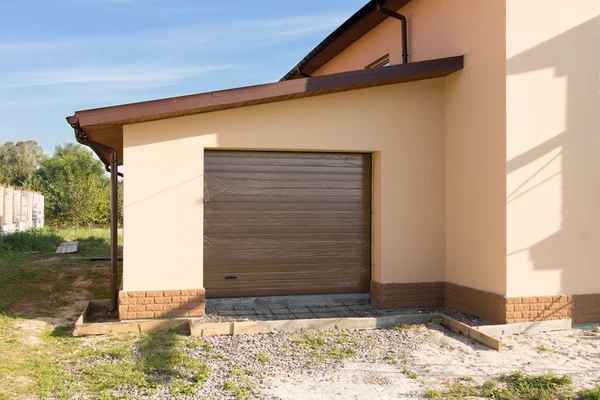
408	295
580	308
489	306
486	305
161	304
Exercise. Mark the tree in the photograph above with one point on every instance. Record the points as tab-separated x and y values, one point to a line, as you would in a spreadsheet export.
75	187
18	162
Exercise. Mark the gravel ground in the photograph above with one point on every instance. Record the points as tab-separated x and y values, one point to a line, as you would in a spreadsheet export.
382	364
311	356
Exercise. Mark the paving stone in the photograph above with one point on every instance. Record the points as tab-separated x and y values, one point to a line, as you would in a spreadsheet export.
243	308
306	315
326	315
297	310
280	311
346	314
364	313
246	312
361	307
276	306
339	308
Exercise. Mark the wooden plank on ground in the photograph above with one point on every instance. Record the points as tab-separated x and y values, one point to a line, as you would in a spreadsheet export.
67	247
471	332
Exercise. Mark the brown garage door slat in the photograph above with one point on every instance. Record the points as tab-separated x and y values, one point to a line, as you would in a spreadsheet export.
286	223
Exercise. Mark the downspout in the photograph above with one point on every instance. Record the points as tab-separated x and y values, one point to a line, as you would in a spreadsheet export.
302	74
109	171
82	138
402	19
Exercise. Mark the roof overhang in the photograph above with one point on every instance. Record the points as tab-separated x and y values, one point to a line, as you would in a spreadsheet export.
363	21
105	125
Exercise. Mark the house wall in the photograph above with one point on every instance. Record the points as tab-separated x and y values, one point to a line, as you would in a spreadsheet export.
384	39
402	125
475	124
553	167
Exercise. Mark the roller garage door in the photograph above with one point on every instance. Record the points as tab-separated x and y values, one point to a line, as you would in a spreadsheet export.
282	223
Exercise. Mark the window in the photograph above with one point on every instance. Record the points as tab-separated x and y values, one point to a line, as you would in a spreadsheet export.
380	62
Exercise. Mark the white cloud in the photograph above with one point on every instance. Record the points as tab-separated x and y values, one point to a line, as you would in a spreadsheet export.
210	36
123	77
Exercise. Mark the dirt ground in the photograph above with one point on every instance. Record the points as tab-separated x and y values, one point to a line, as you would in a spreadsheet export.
39	359
441	358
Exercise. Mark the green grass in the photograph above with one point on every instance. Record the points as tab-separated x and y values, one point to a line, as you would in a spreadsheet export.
341	353
239	391
410	374
34	281
22	247
34	290
262	357
391	358
309	341
325	346
99	291
516	386
59	366
39	360
34	244
542	349
591	394
199	343
241	384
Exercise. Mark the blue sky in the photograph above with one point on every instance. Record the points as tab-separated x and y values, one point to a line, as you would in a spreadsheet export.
59	56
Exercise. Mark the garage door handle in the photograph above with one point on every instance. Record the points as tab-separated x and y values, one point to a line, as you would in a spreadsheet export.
231	277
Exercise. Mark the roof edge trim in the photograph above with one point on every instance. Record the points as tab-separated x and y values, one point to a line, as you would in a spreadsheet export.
253	95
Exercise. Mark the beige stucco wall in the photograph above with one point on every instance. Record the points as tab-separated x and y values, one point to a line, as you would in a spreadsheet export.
401	124
475	111
553	147
474	133
384	39
505	163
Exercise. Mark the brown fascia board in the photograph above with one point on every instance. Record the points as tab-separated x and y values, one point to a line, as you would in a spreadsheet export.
355	27
252	95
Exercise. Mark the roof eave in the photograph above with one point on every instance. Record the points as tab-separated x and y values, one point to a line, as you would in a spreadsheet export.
132	113
360	23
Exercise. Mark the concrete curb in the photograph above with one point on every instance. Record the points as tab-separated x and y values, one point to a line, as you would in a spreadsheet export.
103	328
206	329
525	327
488	335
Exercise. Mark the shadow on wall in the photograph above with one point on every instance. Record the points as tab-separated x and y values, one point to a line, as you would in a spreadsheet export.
575	248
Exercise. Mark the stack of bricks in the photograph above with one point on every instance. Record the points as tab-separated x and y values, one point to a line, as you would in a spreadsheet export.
580	308
161	304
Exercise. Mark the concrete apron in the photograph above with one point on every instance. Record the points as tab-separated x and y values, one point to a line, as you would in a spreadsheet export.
290	301
487	335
